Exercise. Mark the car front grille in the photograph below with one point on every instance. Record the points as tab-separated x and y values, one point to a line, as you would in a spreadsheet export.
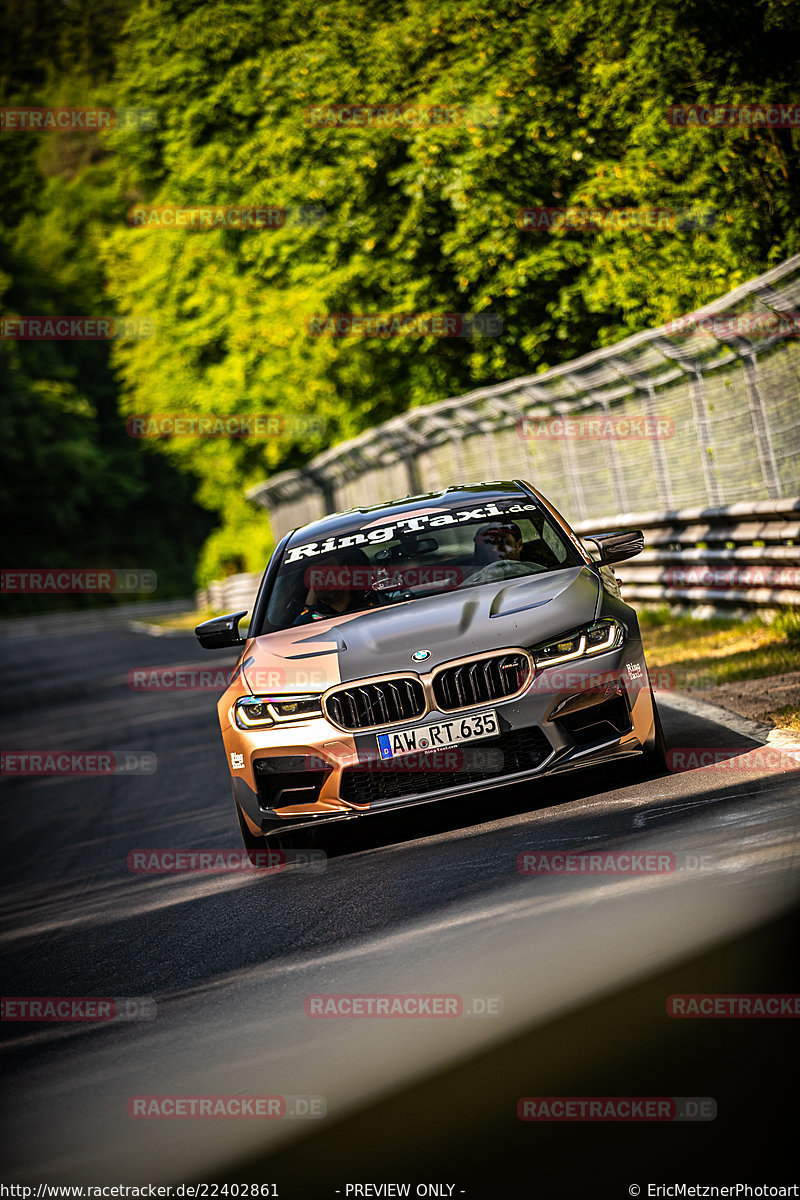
521	750
384	702
480	681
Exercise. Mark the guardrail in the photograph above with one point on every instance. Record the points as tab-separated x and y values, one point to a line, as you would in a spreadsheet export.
703	411
731	556
735	555
234	594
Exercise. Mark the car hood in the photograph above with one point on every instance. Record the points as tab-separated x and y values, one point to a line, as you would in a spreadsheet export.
514	612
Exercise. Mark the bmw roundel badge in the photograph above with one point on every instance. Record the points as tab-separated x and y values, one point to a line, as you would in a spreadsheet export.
420	655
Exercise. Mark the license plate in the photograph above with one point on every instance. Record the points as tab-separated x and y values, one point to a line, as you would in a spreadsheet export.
439	735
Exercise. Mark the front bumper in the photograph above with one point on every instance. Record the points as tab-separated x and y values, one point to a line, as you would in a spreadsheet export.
308	773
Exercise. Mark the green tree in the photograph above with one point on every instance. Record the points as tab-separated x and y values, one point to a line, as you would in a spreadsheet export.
74	490
418	218
424	219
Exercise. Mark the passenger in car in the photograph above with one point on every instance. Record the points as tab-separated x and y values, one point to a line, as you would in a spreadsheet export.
351	592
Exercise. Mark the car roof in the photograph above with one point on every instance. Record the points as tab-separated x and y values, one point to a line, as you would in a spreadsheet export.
472	495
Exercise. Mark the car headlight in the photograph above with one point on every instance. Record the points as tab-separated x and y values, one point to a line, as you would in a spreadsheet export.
257	712
590	639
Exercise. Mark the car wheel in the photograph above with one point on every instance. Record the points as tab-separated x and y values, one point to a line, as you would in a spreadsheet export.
654	760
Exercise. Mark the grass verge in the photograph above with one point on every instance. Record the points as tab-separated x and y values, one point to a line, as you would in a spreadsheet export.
716	654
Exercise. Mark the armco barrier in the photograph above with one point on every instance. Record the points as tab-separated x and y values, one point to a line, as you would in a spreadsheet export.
741	555
233	594
237	593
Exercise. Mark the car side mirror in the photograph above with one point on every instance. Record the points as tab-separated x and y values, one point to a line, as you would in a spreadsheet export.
220	632
616	547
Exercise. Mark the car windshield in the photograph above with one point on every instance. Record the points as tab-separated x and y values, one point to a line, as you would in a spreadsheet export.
409	556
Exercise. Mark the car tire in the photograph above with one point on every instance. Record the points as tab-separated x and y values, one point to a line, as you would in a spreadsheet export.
654	760
297	839
254	844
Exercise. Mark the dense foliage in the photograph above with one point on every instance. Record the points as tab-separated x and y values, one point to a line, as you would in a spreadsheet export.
74	490
568	105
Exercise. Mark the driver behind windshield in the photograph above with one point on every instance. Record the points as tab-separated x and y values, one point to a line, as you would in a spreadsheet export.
497	554
337	596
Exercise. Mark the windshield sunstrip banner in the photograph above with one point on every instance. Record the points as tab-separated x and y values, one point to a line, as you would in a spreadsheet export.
421	522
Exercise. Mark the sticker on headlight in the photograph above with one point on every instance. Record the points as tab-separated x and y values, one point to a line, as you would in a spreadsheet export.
439	734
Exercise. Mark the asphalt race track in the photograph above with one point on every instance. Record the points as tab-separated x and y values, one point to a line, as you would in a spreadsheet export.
428	902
